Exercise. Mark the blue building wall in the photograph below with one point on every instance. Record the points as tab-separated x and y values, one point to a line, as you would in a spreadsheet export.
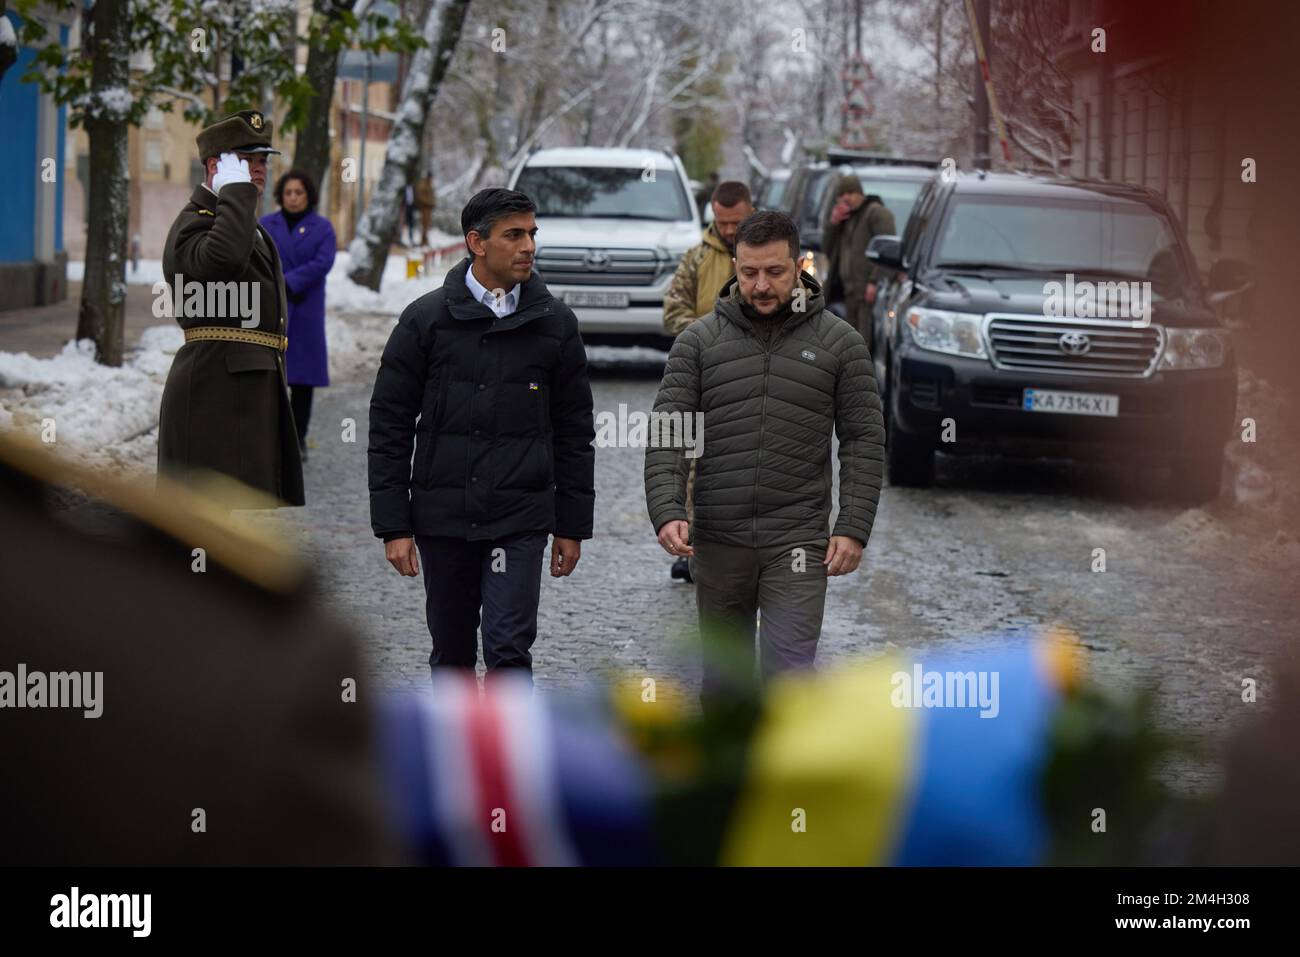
18	103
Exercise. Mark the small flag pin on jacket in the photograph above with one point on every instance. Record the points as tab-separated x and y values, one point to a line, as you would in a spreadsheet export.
534	386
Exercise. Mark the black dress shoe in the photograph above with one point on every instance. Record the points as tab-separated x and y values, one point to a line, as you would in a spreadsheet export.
682	569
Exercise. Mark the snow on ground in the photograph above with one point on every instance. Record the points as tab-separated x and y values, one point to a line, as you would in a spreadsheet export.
396	292
106	418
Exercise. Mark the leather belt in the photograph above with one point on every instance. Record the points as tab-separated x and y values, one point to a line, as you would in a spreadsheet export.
227	334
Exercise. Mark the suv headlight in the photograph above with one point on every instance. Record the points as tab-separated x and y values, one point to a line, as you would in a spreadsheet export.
1195	348
956	333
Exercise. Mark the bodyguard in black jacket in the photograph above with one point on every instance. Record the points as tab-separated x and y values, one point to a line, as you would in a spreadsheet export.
486	378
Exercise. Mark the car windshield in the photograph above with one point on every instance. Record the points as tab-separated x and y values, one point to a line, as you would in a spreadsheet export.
608	192
1108	237
899	196
775	190
810	214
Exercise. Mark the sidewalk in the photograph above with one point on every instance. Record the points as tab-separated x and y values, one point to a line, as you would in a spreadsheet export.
41	331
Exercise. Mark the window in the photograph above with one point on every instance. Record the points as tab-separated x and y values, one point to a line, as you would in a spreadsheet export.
605	192
1108	236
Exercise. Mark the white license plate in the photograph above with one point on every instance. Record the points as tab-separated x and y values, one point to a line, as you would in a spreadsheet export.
1070	403
597	300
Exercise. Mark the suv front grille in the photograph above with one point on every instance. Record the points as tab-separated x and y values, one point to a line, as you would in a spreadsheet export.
1036	345
576	266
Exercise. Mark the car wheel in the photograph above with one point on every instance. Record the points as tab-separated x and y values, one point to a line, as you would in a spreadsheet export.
909	460
1197	478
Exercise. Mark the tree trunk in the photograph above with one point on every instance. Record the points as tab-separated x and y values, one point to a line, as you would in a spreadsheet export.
103	293
312	152
379	224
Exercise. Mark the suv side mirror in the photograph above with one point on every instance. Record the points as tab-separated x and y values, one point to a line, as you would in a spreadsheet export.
887	251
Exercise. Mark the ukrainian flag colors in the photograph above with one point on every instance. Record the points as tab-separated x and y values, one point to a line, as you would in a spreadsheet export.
890	762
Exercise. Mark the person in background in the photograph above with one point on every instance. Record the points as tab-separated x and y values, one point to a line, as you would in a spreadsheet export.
306	243
408	213
426	201
849	226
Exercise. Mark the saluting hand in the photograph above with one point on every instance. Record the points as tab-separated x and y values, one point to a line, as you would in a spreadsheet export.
230	169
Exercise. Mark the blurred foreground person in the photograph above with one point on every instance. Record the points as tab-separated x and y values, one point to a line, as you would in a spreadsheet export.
225	407
189	704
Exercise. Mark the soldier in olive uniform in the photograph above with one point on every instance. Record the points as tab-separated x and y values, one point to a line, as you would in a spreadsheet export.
225	407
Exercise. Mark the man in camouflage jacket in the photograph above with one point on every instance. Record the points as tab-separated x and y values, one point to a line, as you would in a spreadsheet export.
706	268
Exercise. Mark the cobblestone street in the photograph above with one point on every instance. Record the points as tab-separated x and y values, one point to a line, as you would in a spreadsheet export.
995	545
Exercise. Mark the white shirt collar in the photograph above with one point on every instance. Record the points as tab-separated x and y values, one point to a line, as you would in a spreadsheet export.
500	307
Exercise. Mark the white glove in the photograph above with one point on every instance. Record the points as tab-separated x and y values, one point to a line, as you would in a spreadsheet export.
230	169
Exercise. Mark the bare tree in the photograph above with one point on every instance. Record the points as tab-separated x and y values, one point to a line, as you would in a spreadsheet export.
379	224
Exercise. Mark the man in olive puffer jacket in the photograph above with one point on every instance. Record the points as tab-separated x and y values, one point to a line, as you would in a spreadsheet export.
773	374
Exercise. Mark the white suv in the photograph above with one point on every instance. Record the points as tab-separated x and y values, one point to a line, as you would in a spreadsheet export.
612	226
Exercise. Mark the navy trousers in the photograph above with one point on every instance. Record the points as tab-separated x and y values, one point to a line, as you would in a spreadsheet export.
502	579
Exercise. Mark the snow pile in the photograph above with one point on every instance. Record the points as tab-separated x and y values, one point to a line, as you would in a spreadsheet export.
396	292
355	344
100	416
149	272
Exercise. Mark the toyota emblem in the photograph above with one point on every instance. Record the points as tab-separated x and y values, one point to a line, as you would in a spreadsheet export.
597	259
1074	343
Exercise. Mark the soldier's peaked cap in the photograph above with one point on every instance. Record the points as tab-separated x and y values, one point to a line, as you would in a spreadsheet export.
247	131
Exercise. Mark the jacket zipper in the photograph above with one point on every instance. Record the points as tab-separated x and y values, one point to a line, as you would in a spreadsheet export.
758	463
777	336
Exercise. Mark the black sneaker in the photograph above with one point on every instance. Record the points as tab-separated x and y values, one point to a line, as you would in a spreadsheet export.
682	570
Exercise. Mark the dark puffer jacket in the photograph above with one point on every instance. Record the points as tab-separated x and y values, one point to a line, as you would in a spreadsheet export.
503	443
763	477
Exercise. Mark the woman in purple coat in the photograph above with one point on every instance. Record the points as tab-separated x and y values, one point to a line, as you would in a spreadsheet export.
306	243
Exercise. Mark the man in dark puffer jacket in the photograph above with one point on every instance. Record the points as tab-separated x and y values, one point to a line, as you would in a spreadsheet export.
772	374
495	371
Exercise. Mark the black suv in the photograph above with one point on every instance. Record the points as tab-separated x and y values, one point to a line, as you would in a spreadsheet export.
1040	315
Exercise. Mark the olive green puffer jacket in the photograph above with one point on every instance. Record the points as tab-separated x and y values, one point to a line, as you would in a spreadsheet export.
763	477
